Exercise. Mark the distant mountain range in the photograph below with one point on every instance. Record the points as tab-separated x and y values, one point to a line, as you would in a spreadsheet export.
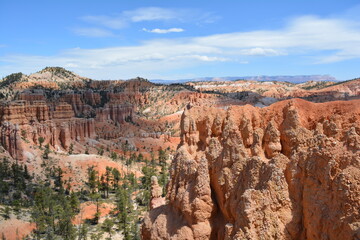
292	79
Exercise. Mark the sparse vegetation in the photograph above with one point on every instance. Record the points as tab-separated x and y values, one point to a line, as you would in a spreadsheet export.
71	149
41	141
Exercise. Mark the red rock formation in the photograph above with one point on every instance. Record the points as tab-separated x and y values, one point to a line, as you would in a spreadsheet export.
104	84
116	112
288	171
63	111
92	98
56	124
156	194
59	133
128	97
31	97
75	101
10	139
22	112
76	130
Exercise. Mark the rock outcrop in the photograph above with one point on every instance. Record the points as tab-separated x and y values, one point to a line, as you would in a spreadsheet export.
156	194
10	139
288	171
118	113
28	121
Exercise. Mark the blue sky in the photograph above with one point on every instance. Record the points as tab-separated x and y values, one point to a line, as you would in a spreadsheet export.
181	39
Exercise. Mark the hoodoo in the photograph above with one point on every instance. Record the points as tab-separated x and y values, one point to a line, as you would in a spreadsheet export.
288	171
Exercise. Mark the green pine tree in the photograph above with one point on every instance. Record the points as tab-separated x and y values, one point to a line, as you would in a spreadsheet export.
71	149
41	141
108	226
46	152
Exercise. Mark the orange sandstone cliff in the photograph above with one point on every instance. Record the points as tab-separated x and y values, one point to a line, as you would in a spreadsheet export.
288	171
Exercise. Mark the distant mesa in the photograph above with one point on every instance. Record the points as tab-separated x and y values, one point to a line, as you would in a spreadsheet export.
291	79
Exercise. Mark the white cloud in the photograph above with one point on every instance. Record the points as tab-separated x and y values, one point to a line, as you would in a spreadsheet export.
307	33
106	21
167	14
158	30
205	58
92	32
326	40
151	14
258	51
125	18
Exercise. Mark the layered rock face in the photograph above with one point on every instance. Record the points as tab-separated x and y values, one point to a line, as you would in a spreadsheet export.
119	113
31	120
10	139
288	171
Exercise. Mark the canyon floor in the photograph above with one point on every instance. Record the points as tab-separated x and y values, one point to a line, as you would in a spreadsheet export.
114	159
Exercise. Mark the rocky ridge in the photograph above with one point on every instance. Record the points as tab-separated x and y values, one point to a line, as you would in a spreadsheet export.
64	108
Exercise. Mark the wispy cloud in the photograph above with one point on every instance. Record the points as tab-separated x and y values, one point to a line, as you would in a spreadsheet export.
258	51
307	34
151	14
325	39
92	32
125	18
158	30
106	21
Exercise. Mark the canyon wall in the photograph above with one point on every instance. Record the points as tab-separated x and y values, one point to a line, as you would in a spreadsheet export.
288	171
25	121
55	120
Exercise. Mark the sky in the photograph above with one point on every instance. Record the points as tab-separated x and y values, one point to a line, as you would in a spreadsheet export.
181	39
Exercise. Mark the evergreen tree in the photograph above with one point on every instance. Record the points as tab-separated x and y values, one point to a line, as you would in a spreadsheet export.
164	171
107	180
26	173
83	231
140	158
92	179
116	177
16	179
122	207
108	226
71	148
132	182
132	158
53	213
46	151
101	150
102	186
114	156
41	141
65	227
148	171
96	236
152	156
96	198
135	231
58	175
6	212
41	210
74	202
